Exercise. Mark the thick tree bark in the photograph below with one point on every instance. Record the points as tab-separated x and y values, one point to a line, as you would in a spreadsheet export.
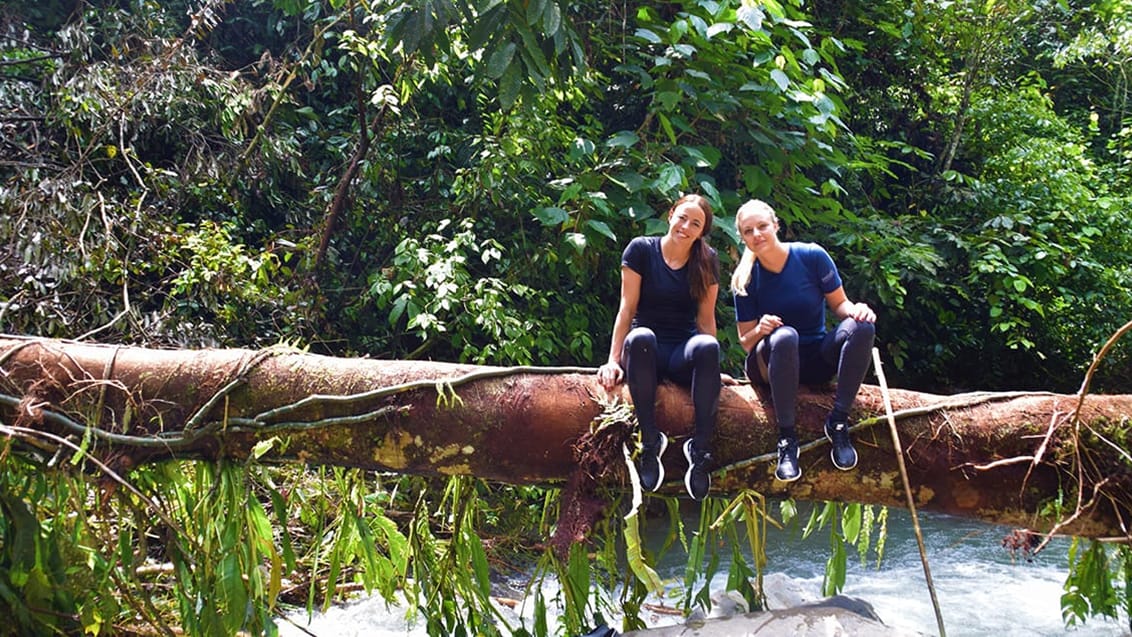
999	457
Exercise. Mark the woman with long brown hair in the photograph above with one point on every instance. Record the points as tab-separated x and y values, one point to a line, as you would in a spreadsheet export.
665	328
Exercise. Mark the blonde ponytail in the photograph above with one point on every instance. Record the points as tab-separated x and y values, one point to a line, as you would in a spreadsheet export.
742	275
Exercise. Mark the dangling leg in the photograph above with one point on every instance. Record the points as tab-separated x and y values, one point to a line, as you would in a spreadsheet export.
700	356
639	357
849	347
779	354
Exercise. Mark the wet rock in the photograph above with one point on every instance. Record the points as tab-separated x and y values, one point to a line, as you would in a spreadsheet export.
837	616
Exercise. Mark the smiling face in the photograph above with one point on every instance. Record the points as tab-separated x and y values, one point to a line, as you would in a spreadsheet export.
757	225
686	222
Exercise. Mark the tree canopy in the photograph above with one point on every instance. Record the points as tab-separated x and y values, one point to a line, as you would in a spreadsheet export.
454	181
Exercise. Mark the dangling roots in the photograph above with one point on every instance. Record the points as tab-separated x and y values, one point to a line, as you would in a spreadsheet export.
598	460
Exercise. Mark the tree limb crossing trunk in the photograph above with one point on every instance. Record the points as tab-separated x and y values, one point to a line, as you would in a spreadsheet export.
999	457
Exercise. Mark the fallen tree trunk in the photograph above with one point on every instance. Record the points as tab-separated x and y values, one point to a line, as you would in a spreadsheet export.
999	457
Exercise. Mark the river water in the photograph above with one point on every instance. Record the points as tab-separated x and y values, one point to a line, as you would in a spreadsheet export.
981	587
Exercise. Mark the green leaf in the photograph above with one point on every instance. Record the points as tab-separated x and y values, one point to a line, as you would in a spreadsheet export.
263	446
580	148
551	215
751	15
411	35
551	19
576	239
500	60
479	564
635	556
259	525
701	157
668	101
398	309
623	139
532	52
835	567
279	507
632	182
670	179
488	25
509	85
602	228
24	534
756	180
851	522
232	593
541	622
781	79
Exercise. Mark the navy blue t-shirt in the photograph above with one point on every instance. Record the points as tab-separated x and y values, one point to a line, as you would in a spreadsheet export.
666	305
797	294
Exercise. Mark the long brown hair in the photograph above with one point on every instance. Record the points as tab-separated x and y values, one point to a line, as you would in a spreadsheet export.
701	266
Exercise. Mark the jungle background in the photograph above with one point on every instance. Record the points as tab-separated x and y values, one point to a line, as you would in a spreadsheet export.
456	181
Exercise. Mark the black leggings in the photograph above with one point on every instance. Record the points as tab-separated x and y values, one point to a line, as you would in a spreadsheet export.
693	362
845	351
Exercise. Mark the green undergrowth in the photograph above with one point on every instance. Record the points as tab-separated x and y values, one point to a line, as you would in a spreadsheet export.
239	548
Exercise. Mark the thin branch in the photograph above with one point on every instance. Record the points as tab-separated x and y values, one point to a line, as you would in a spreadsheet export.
1053	422
1076	514
24	432
1093	366
879	371
479	374
38	58
241	377
1005	462
315	43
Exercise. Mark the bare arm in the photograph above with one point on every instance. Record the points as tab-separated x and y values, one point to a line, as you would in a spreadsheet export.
751	332
611	373
705	314
843	308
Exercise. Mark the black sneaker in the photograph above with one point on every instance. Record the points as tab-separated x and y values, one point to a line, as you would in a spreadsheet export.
649	467
788	469
698	478
843	454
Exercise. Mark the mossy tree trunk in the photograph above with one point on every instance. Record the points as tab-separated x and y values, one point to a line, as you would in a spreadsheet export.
999	457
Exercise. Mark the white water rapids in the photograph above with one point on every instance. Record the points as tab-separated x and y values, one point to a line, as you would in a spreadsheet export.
982	589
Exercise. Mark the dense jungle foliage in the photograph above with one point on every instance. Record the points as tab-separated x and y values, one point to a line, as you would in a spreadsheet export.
455	181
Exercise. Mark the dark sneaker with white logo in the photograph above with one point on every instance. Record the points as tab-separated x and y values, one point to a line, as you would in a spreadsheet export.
698	478
649	466
843	454
788	469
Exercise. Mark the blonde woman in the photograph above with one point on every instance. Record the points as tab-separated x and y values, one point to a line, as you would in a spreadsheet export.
665	328
781	292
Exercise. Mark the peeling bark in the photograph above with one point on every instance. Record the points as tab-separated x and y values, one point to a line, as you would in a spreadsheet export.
999	457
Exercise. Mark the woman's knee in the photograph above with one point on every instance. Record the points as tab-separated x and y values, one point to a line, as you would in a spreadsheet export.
640	339
860	331
782	338
704	352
